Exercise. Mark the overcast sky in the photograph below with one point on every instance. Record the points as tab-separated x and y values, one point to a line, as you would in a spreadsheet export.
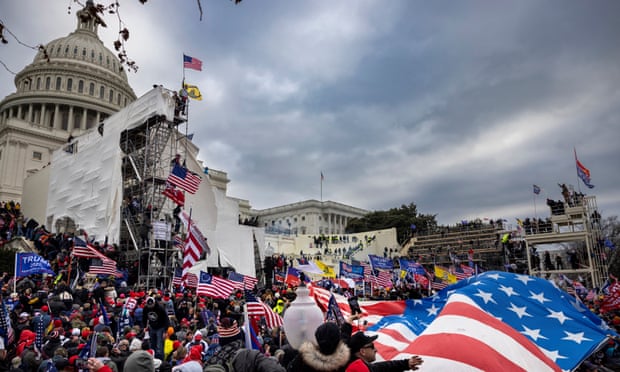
458	107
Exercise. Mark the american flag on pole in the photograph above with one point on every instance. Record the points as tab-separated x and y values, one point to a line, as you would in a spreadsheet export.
184	179
83	250
191	62
248	281
191	281
382	279
177	278
104	267
195	244
216	287
257	308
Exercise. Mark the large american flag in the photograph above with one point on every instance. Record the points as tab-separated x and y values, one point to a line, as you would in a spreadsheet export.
256	307
190	282
557	324
216	287
184	179
248	281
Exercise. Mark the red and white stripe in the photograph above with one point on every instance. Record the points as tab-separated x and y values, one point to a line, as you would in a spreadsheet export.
383	279
261	309
107	267
492	345
219	288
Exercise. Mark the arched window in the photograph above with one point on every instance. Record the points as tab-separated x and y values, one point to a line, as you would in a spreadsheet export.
111	96
101	92
58	83
83	53
100	58
66	50
91	89
38	83
81	86
75	50
69	84
92	55
107	60
48	83
118	99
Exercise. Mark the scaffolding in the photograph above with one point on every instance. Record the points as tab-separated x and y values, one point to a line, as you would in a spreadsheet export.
573	236
145	236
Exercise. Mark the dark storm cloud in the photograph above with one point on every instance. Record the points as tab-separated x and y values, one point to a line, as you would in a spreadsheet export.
458	108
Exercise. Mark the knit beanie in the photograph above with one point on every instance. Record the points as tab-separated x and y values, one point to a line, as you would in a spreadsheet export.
139	361
327	337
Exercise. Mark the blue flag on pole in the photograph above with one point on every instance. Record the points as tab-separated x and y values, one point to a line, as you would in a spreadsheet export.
31	263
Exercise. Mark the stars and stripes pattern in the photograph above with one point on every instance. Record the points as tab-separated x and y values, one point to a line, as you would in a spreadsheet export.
184	179
560	326
248	281
382	279
462	322
257	308
104	267
5	325
195	244
215	287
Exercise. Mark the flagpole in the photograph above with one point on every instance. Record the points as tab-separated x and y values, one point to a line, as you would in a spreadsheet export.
576	170
15	275
322	186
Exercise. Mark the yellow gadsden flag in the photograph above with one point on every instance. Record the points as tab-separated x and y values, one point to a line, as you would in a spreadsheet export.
445	275
328	271
193	92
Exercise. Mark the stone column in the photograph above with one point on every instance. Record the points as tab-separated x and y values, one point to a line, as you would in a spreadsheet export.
56	119
30	112
19	111
71	119
84	114
43	113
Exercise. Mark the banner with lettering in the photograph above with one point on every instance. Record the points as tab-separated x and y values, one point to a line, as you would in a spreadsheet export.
412	267
31	263
380	262
351	271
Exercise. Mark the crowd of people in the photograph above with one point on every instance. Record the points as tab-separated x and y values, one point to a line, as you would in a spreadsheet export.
63	323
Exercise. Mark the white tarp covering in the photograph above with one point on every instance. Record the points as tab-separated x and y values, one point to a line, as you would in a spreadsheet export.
86	185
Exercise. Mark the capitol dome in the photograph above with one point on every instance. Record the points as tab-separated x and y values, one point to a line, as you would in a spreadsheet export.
72	85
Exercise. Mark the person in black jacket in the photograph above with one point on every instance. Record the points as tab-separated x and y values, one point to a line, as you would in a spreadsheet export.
363	353
156	319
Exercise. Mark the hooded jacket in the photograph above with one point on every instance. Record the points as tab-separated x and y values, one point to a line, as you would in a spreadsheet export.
311	359
253	361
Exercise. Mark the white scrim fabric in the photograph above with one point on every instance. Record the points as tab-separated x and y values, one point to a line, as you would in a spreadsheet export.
86	185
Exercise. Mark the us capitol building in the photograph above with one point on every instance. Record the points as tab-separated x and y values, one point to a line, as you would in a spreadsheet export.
74	84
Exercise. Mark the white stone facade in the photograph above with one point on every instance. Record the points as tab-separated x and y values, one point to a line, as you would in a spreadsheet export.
69	88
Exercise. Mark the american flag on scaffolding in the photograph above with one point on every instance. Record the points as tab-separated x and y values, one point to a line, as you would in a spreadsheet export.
195	244
184	179
257	308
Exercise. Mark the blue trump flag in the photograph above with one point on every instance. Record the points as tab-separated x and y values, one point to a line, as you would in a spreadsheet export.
559	325
31	263
351	271
412	267
380	262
